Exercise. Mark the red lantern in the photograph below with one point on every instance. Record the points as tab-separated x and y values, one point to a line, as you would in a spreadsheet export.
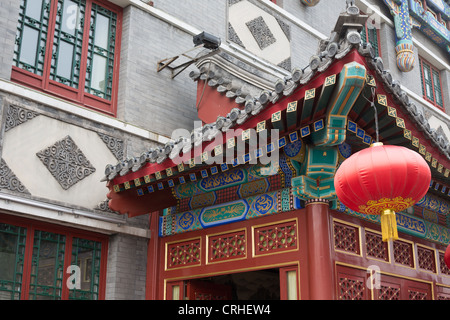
447	257
383	180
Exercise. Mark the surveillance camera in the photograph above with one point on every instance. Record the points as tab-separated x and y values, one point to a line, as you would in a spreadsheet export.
208	40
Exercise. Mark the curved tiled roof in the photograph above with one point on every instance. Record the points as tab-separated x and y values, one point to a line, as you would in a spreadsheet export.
337	46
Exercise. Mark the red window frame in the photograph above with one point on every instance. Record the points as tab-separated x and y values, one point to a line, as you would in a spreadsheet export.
69	233
78	96
366	39
422	61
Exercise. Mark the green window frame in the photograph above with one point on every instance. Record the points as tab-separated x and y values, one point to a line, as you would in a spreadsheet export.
431	84
86	254
32	29
47	266
36	260
101	52
12	252
371	35
70	48
68	42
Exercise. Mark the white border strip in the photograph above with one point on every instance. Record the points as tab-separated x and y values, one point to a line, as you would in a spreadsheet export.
71	217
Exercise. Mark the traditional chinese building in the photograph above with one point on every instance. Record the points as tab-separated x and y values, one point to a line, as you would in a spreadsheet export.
221	154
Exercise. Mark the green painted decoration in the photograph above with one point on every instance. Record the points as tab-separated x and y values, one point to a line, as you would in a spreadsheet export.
408	224
350	84
244	209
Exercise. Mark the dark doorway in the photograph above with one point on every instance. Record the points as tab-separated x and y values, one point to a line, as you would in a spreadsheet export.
253	285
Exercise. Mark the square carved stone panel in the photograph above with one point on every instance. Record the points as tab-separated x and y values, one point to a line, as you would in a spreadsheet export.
66	162
261	32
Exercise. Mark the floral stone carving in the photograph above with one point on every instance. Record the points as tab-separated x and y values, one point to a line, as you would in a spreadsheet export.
66	162
16	116
9	181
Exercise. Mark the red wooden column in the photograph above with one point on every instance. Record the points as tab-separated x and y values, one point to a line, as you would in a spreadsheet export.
151	288
321	284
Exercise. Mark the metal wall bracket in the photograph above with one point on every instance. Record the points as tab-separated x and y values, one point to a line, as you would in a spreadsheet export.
176	70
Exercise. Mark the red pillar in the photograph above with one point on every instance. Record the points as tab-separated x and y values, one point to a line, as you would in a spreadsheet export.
321	284
152	281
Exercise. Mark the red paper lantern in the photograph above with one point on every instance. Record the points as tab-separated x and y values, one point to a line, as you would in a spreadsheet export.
383	180
447	256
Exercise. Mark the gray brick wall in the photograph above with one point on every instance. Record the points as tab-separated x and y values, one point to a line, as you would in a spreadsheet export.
9	11
126	269
149	99
319	17
411	79
205	15
301	53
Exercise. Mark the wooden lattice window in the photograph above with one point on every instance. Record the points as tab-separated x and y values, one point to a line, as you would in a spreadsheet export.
183	254
35	264
12	251
426	259
351	289
401	288
70	48
376	247
442	265
417	295
403	253
276	238
86	254
351	284
346	238
227	246
389	292
431	83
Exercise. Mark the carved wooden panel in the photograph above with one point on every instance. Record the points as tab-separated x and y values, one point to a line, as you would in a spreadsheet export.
399	288
426	259
418	295
351	284
389	292
227	246
346	238
403	253
442	266
275	238
375	247
351	288
183	254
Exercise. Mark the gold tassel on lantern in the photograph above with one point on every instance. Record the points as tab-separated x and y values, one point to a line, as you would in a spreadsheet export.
388	225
